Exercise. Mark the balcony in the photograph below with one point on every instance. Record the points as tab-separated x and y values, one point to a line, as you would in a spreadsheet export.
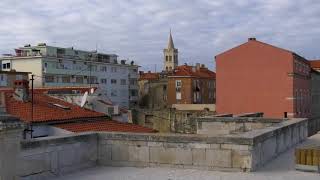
135	86
134	98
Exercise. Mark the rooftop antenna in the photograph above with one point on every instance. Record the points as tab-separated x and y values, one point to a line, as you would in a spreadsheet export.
84	99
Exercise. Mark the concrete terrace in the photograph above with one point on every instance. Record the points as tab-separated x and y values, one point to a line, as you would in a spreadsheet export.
281	168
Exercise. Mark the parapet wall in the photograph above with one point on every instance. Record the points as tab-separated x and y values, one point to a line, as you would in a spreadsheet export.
55	156
229	125
47	157
236	152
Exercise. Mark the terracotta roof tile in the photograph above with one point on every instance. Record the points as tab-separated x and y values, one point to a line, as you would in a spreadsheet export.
43	111
315	64
149	76
104	125
186	70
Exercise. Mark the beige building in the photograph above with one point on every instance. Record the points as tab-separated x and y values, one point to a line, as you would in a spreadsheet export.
65	67
170	56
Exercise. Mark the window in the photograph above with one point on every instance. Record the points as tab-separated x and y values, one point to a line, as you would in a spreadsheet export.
114	92
123	82
93	67
167	58
103	68
113	69
103	81
93	80
19	77
79	79
178	89
6	66
65	79
49	78
133	81
135	70
170	58
178	85
113	81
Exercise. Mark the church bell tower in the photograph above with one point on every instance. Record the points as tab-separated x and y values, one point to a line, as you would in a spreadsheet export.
170	56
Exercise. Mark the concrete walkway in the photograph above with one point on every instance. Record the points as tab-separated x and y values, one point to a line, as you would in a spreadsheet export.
281	168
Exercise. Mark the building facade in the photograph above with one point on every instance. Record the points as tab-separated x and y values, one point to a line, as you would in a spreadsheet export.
315	88
153	90
258	77
191	85
170	56
55	66
7	78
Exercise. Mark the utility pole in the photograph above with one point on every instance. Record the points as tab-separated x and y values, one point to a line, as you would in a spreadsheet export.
32	102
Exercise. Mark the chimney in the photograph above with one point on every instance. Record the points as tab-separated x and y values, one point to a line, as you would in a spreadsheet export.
252	39
197	66
203	66
149	71
21	90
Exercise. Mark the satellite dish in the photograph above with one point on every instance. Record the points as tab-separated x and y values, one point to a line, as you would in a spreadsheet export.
91	90
84	99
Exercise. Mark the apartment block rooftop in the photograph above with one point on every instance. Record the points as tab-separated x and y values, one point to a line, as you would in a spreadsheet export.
44	50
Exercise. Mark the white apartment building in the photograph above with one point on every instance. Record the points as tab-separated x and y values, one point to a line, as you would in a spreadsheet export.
56	66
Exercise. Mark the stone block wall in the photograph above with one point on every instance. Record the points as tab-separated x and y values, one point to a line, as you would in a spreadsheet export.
240	152
51	157
228	125
10	137
180	151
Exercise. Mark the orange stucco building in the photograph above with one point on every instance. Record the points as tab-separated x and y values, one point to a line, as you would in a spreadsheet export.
258	77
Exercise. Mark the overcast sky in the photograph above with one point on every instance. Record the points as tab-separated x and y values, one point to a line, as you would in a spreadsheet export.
138	29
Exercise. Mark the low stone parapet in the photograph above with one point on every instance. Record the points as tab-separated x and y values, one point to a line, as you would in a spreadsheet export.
246	151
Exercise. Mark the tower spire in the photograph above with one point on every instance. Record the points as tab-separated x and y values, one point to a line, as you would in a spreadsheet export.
170	42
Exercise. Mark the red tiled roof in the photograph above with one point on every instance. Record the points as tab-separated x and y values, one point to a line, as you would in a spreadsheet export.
104	125
315	64
81	89
43	111
149	76
186	70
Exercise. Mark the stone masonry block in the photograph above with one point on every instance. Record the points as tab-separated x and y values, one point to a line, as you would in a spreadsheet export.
139	154
199	157
120	152
218	158
198	145
241	159
170	155
155	144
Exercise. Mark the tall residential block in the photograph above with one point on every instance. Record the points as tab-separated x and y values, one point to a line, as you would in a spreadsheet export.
56	66
258	77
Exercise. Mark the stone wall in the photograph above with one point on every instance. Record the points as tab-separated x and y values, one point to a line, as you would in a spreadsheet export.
10	137
170	120
54	156
247	151
229	125
313	125
236	152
